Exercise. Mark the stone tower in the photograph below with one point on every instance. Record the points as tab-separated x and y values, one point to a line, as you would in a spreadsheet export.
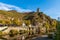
58	18
38	10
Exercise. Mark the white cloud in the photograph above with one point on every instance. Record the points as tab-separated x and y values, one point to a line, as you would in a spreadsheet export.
53	12
8	7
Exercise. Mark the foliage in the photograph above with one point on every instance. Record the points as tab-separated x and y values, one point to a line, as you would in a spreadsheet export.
0	34
13	33
57	37
33	18
27	22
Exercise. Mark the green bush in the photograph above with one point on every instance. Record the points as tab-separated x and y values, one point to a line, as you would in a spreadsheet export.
13	33
0	34
57	37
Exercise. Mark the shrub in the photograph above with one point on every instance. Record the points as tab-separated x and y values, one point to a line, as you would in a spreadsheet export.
13	33
0	34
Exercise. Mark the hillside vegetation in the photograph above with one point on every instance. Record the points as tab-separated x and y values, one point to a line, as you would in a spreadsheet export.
34	18
57	33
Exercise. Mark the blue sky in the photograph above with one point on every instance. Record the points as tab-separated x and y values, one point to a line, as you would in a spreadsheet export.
49	7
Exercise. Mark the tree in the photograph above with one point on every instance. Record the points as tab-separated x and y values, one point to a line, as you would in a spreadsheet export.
17	22
8	22
57	37
27	22
13	33
2	21
0	34
47	25
54	23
